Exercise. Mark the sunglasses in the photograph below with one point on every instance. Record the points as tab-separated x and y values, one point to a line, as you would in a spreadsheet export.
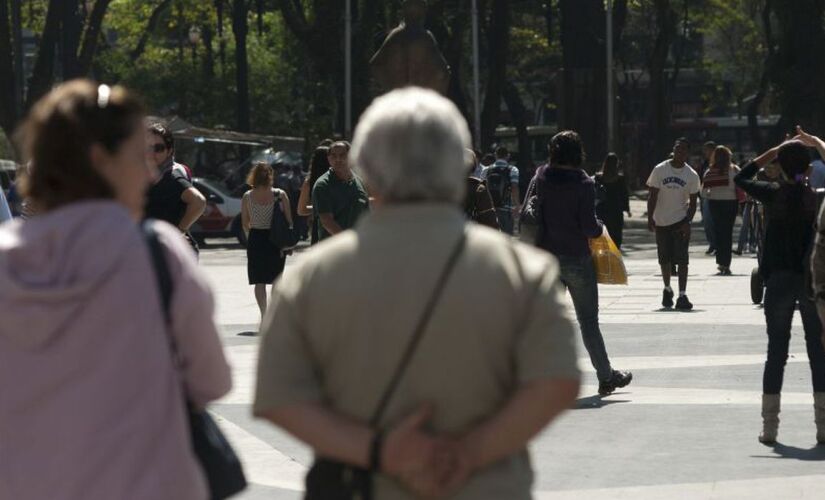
157	148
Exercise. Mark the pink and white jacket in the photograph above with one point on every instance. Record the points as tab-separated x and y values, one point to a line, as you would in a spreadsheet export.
91	403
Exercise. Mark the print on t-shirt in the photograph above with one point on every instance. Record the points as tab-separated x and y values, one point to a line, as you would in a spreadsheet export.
675	185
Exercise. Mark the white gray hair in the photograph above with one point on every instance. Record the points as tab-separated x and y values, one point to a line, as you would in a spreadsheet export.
410	147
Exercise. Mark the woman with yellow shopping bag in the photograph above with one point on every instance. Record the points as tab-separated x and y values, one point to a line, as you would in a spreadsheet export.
566	214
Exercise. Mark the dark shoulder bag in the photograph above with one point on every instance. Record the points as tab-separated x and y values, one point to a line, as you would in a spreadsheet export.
334	480
280	233
530	217
220	465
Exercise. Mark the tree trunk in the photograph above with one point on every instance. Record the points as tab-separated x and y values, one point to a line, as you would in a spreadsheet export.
584	103
71	27
659	103
240	28
498	48
8	106
518	113
755	105
209	53
43	73
451	42
799	69
91	36
154	18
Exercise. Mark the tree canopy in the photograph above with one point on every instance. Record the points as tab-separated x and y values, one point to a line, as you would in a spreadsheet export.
277	66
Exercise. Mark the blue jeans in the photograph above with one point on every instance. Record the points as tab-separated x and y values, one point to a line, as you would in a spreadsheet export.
707	223
785	289
579	277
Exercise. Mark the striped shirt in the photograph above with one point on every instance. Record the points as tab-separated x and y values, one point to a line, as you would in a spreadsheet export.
260	215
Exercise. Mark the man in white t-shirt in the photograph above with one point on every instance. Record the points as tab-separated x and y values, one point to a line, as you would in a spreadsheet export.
674	188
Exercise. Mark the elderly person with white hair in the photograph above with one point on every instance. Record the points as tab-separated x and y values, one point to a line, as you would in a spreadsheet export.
374	351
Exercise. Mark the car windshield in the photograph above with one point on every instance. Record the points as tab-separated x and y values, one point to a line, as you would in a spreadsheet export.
214	185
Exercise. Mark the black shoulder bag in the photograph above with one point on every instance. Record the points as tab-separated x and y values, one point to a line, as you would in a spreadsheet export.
334	480
220	465
280	234
530	219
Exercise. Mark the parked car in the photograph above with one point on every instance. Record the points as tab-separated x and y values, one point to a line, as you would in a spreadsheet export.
7	172
222	217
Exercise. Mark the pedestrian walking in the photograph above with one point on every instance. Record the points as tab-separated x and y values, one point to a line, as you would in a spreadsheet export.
172	198
318	166
790	213
339	197
671	205
613	199
567	208
259	206
478	205
481	381
704	204
101	412
502	180
719	190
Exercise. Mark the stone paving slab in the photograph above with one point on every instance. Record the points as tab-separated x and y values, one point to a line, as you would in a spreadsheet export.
686	427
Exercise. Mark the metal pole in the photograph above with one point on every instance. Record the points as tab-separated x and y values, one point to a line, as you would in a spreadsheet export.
476	77
348	70
611	132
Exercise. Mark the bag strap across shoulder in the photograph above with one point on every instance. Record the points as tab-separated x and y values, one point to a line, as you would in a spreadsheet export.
420	328
160	267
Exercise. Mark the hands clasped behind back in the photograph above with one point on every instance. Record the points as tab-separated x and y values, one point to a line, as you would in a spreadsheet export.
429	465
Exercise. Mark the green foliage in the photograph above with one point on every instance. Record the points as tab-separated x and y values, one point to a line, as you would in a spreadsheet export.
174	76
735	48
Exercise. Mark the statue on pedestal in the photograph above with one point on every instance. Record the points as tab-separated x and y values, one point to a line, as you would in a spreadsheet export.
410	54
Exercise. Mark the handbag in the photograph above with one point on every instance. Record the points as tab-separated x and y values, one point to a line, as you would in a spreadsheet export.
280	233
334	480
607	261
218	460
530	217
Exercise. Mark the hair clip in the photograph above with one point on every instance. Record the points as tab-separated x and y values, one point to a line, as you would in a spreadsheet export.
103	93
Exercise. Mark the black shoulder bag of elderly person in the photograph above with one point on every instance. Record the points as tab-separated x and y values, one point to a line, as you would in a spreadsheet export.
220	465
334	480
280	233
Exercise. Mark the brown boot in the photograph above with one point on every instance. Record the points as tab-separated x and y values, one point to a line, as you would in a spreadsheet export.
770	418
819	416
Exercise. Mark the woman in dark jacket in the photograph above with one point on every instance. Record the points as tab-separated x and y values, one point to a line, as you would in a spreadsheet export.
612	198
790	211
566	203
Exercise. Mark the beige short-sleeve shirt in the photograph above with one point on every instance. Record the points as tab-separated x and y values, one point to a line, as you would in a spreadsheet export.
339	322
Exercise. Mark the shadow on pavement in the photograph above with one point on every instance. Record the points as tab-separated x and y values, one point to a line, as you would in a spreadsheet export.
815	454
676	311
593	402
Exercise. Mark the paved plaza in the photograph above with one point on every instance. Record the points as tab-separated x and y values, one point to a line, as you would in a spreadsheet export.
685	428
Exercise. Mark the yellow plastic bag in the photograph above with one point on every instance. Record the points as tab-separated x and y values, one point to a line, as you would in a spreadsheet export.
607	259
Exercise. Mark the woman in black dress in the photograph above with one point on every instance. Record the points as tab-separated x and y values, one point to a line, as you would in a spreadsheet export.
265	261
612	198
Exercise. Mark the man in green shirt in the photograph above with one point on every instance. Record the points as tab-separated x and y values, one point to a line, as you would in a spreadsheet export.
339	197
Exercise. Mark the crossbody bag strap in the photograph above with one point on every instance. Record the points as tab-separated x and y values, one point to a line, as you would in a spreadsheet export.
160	268
420	328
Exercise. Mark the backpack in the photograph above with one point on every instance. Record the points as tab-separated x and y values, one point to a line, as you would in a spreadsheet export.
498	183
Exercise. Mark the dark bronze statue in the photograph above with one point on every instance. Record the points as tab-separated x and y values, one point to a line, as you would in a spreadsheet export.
410	55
